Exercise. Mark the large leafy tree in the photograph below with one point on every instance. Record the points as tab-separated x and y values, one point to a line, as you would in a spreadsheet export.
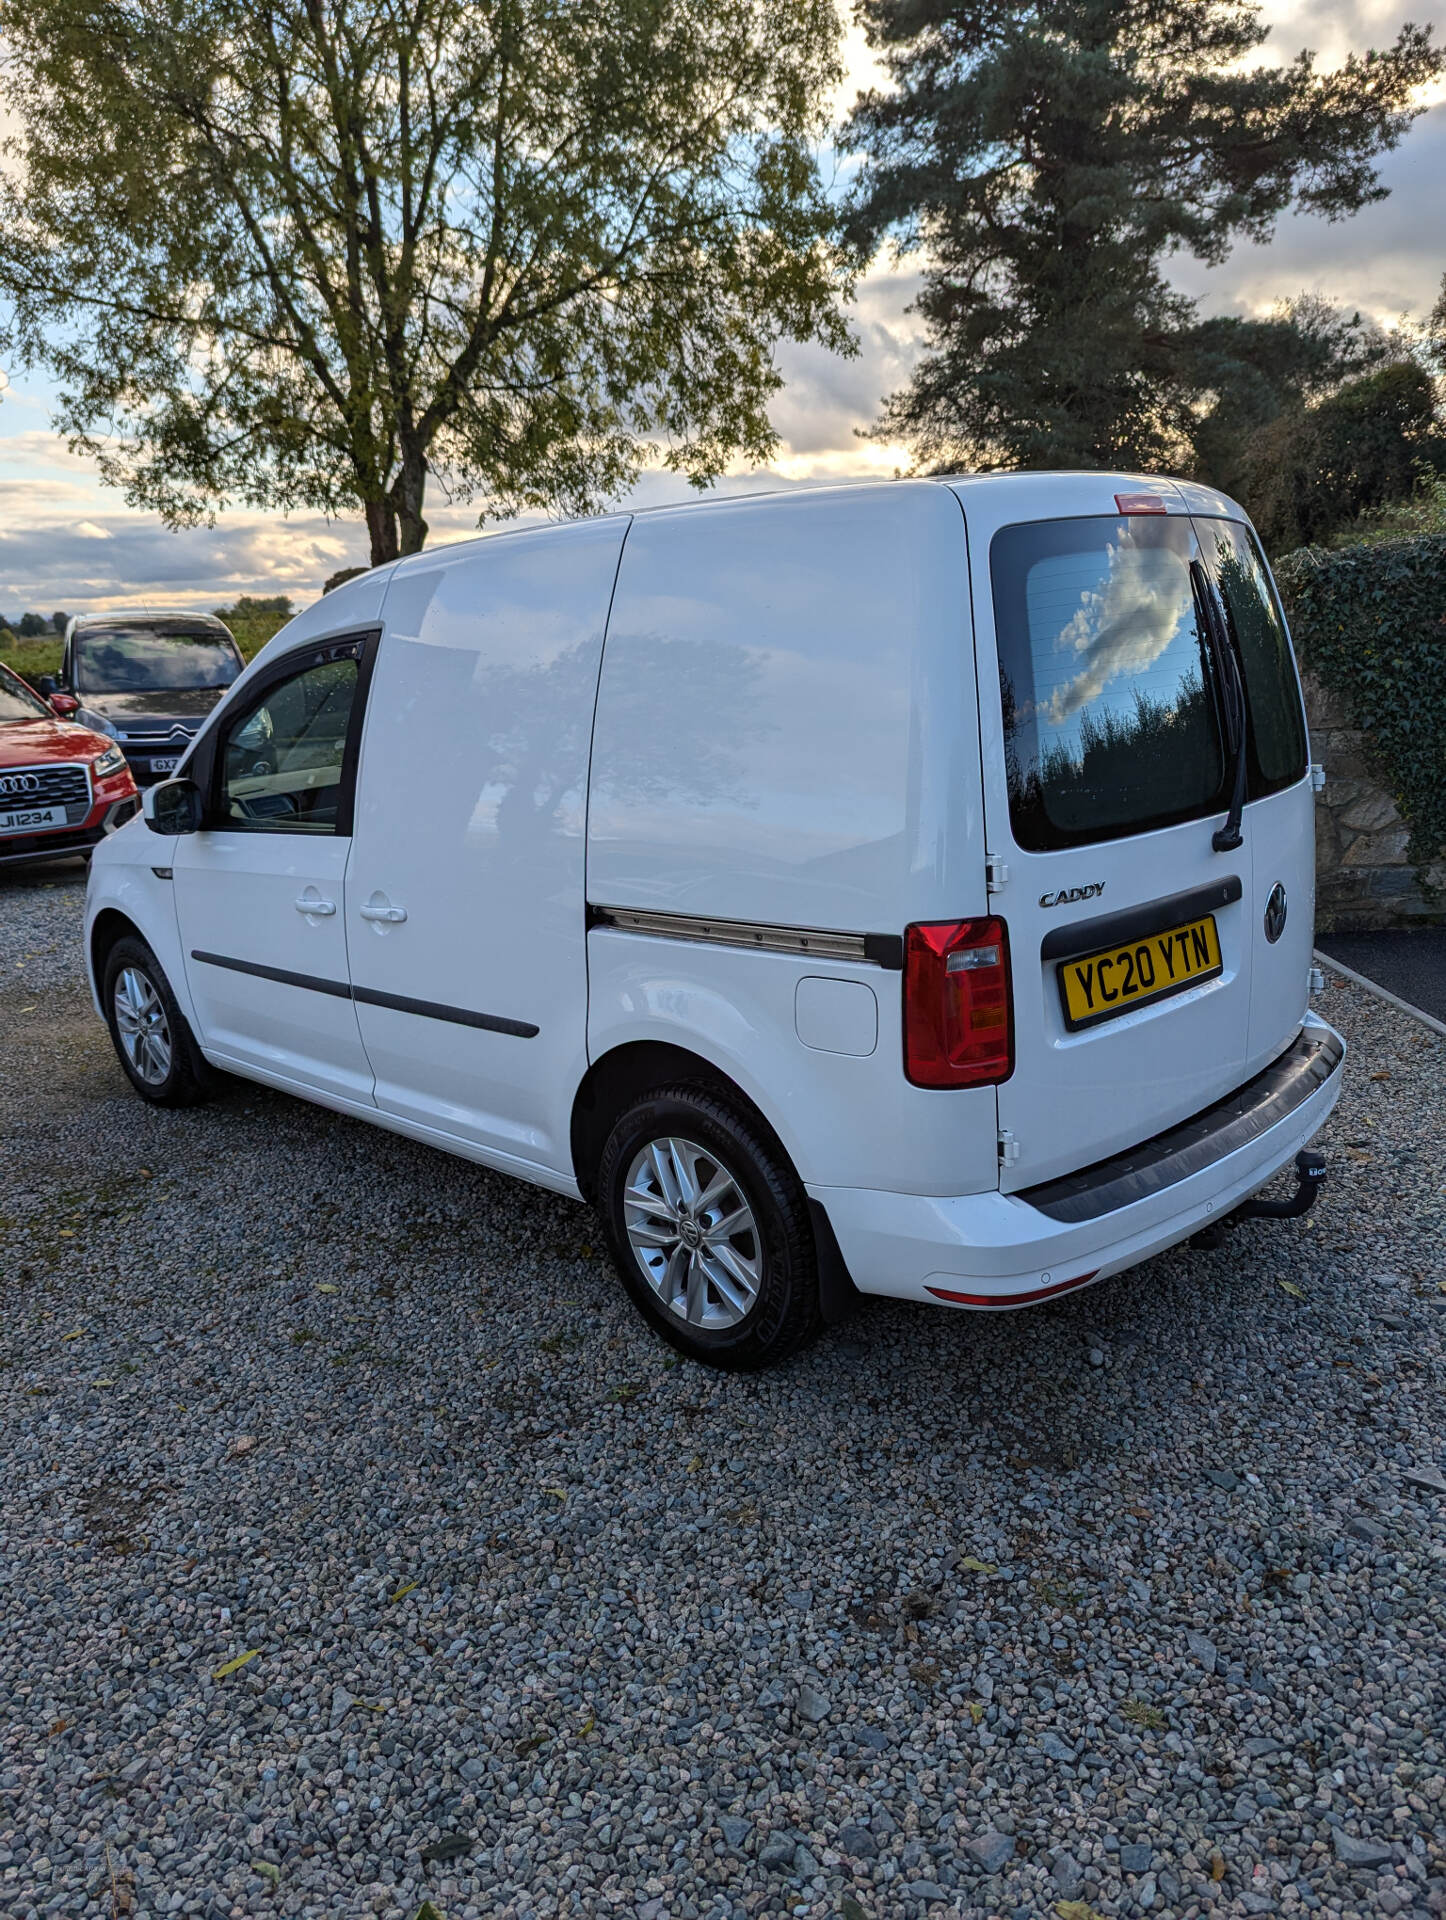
306	253
1048	159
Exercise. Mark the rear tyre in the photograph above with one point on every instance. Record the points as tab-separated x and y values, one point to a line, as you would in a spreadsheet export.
709	1228
149	1031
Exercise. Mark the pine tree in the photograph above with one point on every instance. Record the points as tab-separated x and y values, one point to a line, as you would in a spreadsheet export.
1048	160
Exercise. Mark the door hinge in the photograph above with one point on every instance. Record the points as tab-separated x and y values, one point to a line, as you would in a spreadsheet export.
1315	982
1008	1148
996	873
1317	777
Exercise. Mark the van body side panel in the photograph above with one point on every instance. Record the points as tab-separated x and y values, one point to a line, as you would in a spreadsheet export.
846	1119
787	735
471	802
786	728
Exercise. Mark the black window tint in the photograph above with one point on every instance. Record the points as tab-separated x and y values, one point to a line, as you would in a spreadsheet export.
282	761
1277	729
1110	718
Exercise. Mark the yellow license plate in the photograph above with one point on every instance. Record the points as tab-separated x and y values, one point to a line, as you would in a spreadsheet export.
1099	986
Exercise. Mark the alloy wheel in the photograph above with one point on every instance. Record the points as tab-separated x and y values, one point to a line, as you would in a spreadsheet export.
693	1233
140	1019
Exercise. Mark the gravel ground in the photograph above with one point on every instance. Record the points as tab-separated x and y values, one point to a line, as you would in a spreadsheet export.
1134	1601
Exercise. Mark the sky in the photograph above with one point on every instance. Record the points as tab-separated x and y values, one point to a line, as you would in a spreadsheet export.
67	542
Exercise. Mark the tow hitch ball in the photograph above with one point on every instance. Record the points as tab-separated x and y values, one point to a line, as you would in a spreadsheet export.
1310	1175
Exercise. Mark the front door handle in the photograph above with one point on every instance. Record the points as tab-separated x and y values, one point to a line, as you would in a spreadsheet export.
312	904
384	911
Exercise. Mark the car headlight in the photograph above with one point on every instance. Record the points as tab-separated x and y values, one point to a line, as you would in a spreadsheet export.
97	722
111	761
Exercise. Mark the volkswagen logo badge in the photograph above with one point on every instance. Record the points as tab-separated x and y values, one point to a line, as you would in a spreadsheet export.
19	783
1275	913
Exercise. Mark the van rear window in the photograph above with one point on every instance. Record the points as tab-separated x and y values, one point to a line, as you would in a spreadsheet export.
1110	715
1277	743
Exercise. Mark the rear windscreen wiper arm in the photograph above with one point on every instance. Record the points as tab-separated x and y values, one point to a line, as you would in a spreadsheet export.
1232	699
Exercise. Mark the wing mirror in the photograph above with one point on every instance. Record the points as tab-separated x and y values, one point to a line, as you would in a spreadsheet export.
64	704
173	807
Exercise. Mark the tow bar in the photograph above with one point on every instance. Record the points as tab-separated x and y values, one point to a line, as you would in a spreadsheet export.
1310	1177
1310	1174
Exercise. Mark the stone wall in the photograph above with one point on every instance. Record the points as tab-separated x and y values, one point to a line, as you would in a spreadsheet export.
1363	876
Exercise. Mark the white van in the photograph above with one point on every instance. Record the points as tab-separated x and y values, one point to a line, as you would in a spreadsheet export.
904	888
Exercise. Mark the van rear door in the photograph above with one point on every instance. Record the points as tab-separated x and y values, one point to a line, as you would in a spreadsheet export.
1103	657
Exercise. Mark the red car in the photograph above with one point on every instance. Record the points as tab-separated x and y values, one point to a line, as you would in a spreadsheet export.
62	787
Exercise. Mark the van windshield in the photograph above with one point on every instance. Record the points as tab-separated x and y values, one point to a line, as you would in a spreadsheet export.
143	659
1111	723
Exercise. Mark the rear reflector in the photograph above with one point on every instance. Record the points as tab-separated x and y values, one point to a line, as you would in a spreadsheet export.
1140	503
1009	1299
958	1012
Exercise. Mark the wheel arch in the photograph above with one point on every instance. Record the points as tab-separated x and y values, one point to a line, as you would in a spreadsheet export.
110	926
631	1069
625	1073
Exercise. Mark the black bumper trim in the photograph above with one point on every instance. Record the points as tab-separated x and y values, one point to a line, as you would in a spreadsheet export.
60	843
1194	1144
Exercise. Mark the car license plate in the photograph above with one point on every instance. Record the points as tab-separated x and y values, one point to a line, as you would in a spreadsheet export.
1100	986
167	763
29	818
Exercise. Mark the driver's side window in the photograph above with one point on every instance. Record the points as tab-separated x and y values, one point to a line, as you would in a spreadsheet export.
281	763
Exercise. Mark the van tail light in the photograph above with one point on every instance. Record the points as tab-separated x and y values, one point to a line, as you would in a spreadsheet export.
958	1009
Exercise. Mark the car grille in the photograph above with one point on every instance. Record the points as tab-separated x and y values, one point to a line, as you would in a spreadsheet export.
54	785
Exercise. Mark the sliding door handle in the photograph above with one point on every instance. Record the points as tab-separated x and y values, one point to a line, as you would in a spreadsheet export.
313	906
382	910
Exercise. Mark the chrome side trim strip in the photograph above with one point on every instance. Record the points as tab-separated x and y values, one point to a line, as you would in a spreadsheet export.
874	949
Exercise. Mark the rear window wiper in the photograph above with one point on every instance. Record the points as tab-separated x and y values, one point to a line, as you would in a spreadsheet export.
1232	701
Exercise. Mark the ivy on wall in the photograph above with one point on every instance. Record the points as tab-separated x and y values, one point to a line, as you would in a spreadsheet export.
1370	622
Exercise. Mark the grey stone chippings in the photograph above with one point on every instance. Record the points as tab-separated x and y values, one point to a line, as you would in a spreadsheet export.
541	1616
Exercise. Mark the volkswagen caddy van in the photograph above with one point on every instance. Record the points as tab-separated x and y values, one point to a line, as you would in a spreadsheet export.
898	889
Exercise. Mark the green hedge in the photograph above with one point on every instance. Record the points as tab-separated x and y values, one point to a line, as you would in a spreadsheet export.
1370	622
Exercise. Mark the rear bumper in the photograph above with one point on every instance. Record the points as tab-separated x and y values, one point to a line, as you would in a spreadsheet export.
1012	1250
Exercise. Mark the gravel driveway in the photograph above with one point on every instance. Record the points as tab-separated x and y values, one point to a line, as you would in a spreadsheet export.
1137	1600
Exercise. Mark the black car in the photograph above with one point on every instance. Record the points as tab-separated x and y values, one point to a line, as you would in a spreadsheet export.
147	680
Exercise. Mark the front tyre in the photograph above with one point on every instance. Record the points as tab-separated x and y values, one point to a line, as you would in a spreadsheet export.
708	1225
149	1031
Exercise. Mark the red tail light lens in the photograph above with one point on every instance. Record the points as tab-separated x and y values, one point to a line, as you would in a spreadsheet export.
958	1011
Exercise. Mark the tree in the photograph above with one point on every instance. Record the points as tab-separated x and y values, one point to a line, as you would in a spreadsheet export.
1246	373
59	621
1312	471
306	253
32	625
1049	159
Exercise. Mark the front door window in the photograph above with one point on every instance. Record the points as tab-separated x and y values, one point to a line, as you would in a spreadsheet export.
282	763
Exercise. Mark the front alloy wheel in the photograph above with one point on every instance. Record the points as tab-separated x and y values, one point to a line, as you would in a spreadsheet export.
161	1059
141	1027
